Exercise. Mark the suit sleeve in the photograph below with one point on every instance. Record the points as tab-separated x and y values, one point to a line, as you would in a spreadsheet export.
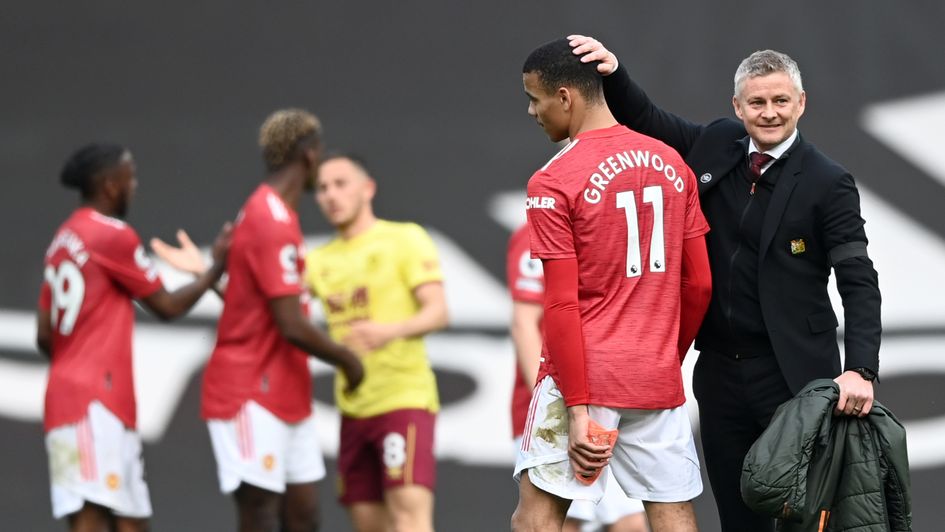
633	108
857	281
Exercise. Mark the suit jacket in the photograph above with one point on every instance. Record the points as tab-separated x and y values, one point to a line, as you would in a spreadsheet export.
812	224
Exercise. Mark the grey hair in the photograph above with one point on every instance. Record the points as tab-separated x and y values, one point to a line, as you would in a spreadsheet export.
764	62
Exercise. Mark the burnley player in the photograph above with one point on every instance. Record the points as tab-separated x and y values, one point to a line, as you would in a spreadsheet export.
615	219
94	269
526	283
257	388
381	286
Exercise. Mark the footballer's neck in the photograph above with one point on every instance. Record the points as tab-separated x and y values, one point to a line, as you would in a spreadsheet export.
361	223
288	183
591	117
102	205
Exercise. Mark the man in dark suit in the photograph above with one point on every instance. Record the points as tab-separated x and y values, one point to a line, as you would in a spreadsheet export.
782	215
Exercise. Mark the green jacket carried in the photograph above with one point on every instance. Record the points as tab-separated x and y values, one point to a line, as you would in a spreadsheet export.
818	472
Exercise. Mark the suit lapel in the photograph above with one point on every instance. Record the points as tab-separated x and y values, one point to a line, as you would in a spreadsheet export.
712	174
779	198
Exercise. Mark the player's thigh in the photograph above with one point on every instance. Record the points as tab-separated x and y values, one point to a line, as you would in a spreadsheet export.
259	509
90	518
129	524
537	509
300	510
675	516
409	502
655	457
369	517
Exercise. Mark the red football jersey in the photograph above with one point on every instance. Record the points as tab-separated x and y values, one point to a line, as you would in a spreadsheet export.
622	204
252	360
527	285
95	267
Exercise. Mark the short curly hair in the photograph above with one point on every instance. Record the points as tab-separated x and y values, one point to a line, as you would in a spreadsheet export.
284	135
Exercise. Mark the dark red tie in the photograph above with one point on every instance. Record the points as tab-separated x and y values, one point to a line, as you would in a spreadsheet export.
758	160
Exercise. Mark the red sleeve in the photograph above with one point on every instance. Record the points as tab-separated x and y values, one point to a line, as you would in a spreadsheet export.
523	273
129	265
565	346
274	261
549	219
695	293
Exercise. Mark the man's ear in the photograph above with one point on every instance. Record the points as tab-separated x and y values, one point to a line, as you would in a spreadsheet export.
737	107
565	98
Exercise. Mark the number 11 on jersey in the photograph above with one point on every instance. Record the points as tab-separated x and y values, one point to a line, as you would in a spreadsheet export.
627	201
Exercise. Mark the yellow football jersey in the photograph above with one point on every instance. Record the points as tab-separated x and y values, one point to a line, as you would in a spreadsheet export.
373	276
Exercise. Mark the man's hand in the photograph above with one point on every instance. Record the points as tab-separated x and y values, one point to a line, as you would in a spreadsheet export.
354	374
187	257
856	394
586	457
590	49
365	336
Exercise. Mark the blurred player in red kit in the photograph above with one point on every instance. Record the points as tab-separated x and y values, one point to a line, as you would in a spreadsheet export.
94	269
257	389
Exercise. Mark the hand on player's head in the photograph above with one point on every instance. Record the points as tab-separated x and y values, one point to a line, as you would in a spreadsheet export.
187	257
590	49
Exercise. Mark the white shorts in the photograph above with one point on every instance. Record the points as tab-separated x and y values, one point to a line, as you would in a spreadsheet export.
614	506
654	458
97	460
260	449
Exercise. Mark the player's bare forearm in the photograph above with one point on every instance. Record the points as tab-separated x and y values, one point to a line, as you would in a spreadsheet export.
695	291
44	332
526	337
295	327
188	258
169	305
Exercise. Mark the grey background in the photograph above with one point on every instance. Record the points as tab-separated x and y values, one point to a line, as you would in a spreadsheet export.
430	93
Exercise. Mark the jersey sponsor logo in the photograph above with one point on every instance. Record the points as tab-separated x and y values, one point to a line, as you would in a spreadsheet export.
340	302
539	202
612	166
531	274
145	264
289	259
